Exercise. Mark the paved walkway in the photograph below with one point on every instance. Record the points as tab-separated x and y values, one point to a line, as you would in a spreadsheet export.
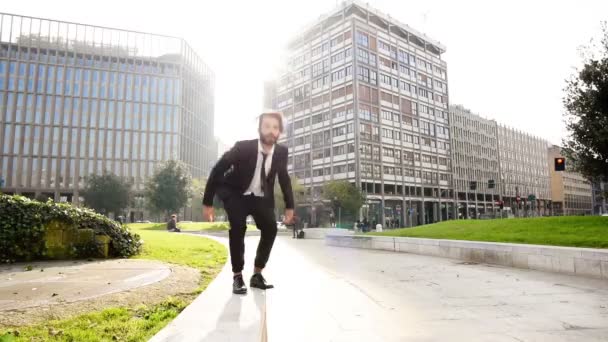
339	294
70	281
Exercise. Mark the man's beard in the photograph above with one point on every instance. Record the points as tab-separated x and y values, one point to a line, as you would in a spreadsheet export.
268	139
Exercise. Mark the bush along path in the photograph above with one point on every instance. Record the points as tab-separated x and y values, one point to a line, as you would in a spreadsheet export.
32	230
139	322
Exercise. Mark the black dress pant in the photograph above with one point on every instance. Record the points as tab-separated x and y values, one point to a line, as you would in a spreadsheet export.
238	207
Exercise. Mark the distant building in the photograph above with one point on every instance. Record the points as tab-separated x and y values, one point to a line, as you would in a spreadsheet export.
570	191
484	151
525	182
474	159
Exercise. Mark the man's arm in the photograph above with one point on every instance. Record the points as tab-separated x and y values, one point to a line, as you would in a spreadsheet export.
285	183
229	158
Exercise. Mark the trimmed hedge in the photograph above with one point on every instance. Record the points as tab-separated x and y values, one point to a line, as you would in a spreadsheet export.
23	221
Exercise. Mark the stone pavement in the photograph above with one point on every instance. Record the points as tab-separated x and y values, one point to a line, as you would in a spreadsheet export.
328	293
69	281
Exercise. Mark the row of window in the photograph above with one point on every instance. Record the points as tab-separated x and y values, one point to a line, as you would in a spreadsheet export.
80	74
93	113
405	86
124	92
91	61
364	39
54	141
476	136
366	94
159	90
467	148
374	171
335	76
66	173
430	177
337	169
368	132
371	132
421	78
373	152
344	54
323	67
321	48
338	112
486	128
470	160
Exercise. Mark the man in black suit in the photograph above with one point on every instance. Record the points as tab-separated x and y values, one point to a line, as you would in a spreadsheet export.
244	180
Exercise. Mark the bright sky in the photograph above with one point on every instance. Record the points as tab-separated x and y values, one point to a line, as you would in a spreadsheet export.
507	60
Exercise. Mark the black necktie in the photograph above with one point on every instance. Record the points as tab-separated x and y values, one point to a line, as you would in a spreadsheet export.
263	173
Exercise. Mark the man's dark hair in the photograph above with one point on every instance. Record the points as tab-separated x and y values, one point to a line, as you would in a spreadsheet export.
275	115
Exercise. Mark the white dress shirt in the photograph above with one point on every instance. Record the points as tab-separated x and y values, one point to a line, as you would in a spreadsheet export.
256	186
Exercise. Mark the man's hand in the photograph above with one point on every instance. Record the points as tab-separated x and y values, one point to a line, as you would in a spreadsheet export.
208	213
288	217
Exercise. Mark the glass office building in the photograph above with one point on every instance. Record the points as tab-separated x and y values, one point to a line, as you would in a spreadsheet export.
79	99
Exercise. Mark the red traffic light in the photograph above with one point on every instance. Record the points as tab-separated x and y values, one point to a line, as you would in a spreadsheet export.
560	164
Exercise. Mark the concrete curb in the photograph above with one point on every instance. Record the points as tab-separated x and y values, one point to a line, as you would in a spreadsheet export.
587	262
224	233
320	233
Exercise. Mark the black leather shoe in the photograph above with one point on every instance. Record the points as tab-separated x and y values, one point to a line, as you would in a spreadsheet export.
258	281
238	286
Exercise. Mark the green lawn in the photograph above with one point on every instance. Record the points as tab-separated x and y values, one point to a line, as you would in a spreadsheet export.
140	323
574	231
211	226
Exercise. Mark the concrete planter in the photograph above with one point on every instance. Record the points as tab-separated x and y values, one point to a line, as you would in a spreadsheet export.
61	239
586	262
320	233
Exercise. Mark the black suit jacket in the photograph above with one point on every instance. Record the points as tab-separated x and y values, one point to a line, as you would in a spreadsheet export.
233	173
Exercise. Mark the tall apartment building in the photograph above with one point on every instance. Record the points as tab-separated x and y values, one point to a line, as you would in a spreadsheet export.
474	159
525	182
78	99
366	99
571	193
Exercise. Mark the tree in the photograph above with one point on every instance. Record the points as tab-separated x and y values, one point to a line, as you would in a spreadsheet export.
196	203
343	194
298	194
169	188
586	104
107	193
